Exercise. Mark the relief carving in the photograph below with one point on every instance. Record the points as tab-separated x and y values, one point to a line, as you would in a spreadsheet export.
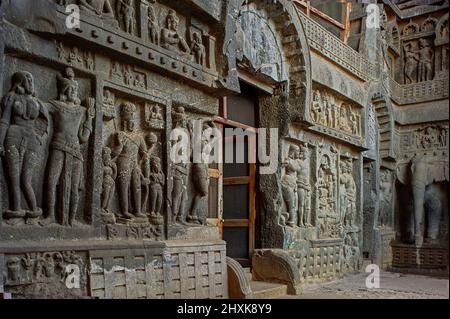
72	127
198	49
347	194
386	197
328	111
154	116
21	141
126	13
426	57
170	37
109	177
153	25
99	8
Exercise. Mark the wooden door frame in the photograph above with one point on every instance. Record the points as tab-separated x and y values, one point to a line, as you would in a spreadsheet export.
222	121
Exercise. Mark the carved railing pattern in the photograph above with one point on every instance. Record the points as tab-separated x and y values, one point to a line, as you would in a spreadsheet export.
416	92
332	47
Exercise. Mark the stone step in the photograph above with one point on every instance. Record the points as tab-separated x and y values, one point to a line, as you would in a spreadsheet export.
267	290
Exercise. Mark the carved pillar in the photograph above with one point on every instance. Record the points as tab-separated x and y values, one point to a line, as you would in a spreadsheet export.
210	43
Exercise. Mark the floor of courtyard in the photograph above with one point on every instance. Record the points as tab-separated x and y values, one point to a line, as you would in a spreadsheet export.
392	286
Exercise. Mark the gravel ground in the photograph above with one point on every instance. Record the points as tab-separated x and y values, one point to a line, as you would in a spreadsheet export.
392	286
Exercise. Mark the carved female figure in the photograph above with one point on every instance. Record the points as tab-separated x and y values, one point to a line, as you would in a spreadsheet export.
109	177
170	38
289	184
20	143
317	107
385	197
72	127
157	181
426	57
304	188
411	62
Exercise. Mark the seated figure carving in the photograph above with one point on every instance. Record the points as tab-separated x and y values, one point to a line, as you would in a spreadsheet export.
170	36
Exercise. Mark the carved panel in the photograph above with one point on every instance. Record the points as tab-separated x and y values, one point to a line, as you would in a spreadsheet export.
337	117
424	138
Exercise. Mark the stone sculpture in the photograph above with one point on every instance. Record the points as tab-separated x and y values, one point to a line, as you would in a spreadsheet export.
72	127
20	144
153	26
411	63
289	185
170	37
130	146
100	8
198	49
386	189
317	108
426	57
109	177
125	8
348	194
304	187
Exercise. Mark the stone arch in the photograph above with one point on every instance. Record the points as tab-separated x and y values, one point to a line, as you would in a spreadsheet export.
291	43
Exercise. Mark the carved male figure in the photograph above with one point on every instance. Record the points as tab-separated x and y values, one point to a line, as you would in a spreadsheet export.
153	26
411	63
20	142
350	193
126	11
198	49
130	145
426	57
170	37
289	184
72	127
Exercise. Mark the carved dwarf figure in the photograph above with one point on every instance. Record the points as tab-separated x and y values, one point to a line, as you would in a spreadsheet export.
198	49
72	127
130	145
109	177
304	188
20	143
125	8
411	63
426	57
289	184
153	26
170	37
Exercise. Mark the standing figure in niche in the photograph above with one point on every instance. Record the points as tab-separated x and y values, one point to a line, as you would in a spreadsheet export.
126	10
127	75
200	179
329	112
157	181
109	177
304	188
289	184
130	146
317	107
170	38
426	57
411	63
198	49
153	26
72	127
385	197
20	144
145	164
180	173
350	194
